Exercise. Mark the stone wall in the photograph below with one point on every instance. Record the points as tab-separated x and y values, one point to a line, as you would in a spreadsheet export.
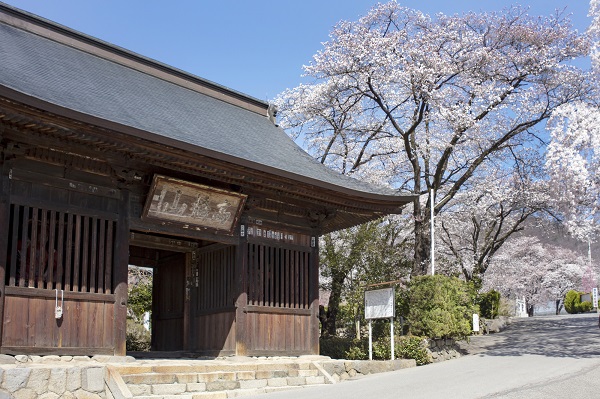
50	377
443	349
340	370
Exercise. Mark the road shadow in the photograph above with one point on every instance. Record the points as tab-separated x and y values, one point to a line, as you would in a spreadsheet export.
574	336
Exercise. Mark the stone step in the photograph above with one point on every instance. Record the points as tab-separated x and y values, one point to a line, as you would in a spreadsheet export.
193	381
208	368
223	395
184	378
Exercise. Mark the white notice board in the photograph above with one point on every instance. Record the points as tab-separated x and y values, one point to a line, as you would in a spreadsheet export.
379	304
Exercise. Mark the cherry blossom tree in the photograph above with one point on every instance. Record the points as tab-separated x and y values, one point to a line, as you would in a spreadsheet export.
422	103
527	268
573	155
479	221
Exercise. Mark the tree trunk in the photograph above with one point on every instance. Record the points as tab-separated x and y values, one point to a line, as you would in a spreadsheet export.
530	309
559	306
330	317
422	252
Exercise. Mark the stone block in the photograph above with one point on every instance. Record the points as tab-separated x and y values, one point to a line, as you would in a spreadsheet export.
4	394
220	385
92	379
296	380
140	390
15	379
7	359
38	380
66	358
210	377
22	358
25	393
150	379
58	380
186	378
276	366
134	369
168	389
234	367
277	382
49	395
307	373
261	374
172	369
196	387
252	384
304	366
82	359
315	380
245	375
50	359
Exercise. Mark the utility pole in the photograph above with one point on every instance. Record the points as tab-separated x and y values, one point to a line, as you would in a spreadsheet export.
432	206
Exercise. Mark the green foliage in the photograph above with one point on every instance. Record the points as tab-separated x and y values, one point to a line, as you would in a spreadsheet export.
413	347
137	337
585	306
572	301
335	347
381	349
353	258
140	300
489	304
357	352
441	307
407	347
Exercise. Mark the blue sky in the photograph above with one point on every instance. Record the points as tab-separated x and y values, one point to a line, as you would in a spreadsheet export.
255	47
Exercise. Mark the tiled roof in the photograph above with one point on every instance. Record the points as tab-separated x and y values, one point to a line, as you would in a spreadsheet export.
91	84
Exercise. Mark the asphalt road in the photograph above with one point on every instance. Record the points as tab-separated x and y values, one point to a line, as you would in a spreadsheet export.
539	357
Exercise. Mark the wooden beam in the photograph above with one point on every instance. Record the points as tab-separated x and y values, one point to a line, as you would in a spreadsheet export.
120	271
4	221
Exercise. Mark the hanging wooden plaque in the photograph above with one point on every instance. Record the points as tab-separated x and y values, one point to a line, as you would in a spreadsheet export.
192	206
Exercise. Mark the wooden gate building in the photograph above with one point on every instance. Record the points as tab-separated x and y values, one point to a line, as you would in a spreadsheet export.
110	159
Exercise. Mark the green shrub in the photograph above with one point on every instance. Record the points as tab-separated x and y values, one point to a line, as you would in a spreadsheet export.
335	347
489	304
137	338
357	353
441	307
381	349
412	347
572	301
585	306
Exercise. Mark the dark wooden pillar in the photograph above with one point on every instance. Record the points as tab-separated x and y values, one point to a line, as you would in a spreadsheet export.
241	282
4	223
121	262
314	296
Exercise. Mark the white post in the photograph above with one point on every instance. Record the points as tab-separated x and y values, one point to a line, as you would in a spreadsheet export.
370	341
392	335
432	206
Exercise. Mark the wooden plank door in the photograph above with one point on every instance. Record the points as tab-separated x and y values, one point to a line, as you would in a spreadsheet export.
168	303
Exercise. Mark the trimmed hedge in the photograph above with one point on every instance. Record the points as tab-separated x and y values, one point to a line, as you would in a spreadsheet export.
406	347
441	307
